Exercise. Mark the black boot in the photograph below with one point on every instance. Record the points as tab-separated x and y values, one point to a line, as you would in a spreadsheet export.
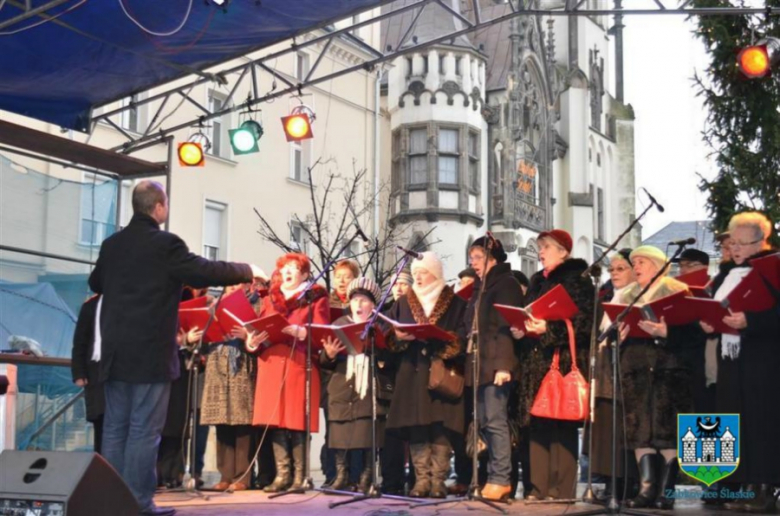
764	501
648	483
440	467
341	480
282	458
298	449
668	479
421	459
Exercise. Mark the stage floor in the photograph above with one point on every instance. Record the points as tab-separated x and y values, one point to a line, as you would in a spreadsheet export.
247	503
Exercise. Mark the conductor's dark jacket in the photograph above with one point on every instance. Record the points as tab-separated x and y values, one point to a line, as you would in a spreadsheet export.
140	272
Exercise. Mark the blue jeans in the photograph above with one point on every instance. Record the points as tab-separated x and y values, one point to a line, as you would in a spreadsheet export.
494	426
134	419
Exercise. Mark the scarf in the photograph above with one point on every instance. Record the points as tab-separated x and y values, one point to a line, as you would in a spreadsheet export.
730	344
429	295
297	290
97	347
358	368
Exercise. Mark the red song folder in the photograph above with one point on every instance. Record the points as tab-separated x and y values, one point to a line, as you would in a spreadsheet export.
750	295
673	308
465	292
197	302
190	318
769	268
239	307
349	335
632	319
336	313
421	331
273	324
711	312
555	305
702	292
698	278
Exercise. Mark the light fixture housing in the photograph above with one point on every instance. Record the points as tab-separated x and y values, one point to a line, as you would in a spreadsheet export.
297	125
244	139
191	154
759	60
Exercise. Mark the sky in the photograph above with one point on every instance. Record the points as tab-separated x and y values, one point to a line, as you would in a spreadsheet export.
660	58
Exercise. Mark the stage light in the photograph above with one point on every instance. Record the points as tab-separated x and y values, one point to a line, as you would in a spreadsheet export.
244	139
757	61
191	154
297	125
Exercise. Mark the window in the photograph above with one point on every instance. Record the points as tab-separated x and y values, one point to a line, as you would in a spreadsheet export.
131	119
98	207
395	174
300	160
528	266
600	205
301	66
298	238
474	160
448	156
217	132
214	231
418	156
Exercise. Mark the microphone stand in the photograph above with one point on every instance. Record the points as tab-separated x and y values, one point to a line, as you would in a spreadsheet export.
474	494
613	506
189	483
308	483
374	491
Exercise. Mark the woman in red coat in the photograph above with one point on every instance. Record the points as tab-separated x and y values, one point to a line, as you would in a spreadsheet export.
281	369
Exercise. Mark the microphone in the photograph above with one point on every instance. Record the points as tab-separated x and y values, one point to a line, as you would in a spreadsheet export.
652	199
360	233
408	252
684	241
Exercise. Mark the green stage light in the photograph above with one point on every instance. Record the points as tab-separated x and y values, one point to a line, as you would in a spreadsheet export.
244	139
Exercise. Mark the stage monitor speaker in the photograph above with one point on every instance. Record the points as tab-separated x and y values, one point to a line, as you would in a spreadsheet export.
45	483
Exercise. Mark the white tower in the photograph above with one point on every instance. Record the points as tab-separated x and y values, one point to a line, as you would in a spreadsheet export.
689	446
727	441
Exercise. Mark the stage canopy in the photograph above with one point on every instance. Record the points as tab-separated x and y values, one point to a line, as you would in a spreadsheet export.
74	55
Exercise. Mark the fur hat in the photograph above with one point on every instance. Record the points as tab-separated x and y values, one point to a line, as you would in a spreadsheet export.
365	286
496	251
650	252
431	263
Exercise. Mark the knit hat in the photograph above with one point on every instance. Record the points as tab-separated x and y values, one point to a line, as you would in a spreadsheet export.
623	254
404	277
496	251
693	255
431	263
467	273
365	286
563	238
651	253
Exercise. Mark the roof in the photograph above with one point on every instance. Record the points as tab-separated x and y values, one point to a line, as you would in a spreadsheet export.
92	53
495	43
434	21
698	229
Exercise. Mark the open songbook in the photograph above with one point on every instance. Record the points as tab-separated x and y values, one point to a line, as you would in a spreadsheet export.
674	309
465	292
750	295
711	312
421	331
555	305
190	318
769	269
697	282
348	334
273	324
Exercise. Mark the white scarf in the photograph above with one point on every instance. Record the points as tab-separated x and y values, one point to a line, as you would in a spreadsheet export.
98	344
358	367
297	290
730	344
429	295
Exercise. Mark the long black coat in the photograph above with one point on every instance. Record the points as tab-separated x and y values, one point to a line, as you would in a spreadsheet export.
413	403
82	366
140	273
536	354
496	344
759	362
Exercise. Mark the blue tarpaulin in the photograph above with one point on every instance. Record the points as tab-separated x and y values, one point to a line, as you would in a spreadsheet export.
92	53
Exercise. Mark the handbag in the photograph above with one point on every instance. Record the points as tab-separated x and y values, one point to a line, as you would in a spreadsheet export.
447	381
563	398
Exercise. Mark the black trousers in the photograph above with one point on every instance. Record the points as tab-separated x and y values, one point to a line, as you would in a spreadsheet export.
234	452
97	425
553	454
393	462
170	461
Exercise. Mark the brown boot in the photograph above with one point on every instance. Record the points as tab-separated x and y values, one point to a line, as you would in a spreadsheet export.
298	449
421	459
496	492
440	467
282	458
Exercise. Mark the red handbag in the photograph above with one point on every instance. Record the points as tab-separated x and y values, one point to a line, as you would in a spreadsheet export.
563	397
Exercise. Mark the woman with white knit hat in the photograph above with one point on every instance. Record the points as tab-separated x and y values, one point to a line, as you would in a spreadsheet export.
428	419
656	382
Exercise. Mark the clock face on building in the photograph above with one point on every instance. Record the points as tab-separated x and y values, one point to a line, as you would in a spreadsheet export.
708	445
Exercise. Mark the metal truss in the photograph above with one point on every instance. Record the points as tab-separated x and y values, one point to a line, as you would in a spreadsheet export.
28	10
247	73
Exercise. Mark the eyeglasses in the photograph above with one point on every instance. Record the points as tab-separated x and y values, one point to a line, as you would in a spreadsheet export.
745	244
618	269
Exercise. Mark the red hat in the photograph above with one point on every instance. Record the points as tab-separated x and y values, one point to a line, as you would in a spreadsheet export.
562	237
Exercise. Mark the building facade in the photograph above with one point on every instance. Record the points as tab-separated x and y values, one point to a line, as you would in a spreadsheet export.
515	129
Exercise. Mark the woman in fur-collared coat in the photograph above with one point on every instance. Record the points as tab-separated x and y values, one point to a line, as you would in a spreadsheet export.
554	445
426	418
